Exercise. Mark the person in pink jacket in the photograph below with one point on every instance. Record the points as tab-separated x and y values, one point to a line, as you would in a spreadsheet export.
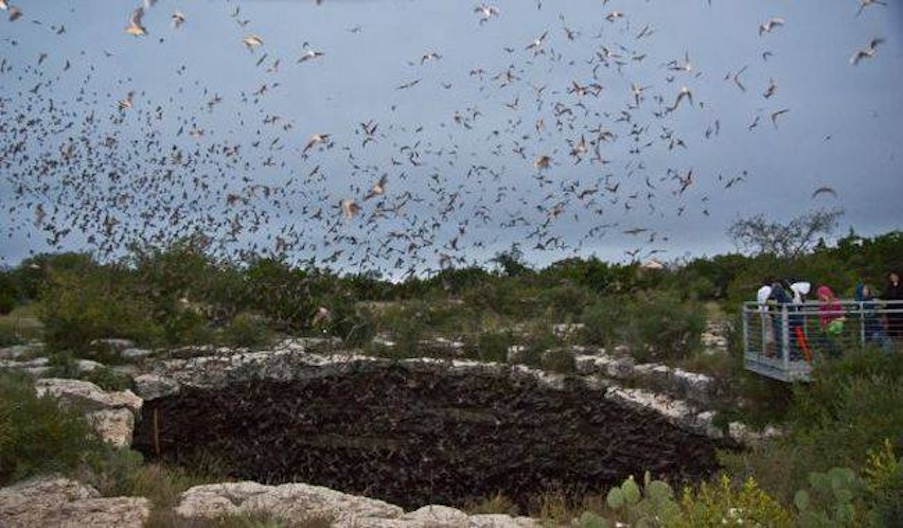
829	308
830	318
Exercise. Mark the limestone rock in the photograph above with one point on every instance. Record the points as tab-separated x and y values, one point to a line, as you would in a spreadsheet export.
87	394
293	503
301	504
116	346
438	517
87	365
136	353
60	502
112	414
152	386
498	520
115	426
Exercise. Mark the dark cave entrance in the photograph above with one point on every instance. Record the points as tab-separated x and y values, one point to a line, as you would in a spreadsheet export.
418	436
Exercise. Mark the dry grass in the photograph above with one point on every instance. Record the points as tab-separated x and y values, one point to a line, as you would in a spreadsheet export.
498	503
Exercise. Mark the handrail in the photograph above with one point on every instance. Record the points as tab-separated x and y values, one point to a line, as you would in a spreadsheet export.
782	340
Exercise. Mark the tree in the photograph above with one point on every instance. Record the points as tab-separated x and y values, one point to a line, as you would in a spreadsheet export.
511	262
760	236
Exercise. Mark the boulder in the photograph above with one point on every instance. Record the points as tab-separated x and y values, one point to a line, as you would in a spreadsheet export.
152	386
293	503
55	501
304	504
136	353
114	426
112	414
87	394
87	365
114	346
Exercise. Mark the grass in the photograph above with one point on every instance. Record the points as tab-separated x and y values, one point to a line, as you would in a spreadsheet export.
162	485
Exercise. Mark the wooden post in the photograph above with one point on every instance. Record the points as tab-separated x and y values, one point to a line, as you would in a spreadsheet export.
156	432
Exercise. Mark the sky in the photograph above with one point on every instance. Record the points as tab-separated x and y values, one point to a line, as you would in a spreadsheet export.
555	126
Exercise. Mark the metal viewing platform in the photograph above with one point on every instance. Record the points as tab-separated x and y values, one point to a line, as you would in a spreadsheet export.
784	341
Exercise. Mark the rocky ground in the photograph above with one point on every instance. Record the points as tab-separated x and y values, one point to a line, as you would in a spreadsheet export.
415	433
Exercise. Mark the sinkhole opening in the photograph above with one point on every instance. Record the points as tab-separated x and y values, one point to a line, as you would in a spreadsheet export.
414	437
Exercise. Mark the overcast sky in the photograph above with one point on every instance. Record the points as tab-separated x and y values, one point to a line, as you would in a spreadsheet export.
458	111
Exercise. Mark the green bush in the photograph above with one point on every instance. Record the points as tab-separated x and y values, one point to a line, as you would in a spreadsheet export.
539	340
720	503
187	326
247	330
82	305
490	346
565	303
851	406
833	498
8	293
37	435
358	328
111	470
661	327
604	322
883	476
107	379
63	365
558	360
8	334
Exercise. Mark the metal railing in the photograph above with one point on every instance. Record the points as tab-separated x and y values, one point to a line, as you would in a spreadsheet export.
784	341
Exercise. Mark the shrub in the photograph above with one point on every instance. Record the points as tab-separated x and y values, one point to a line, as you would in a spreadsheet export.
720	503
187	326
539	339
661	327
565	303
246	330
37	435
111	470
63	365
558	360
163	485
8	293
591	520
356	328
82	305
107	379
883	476
603	322
851	406
8	334
833	498
490	346
407	334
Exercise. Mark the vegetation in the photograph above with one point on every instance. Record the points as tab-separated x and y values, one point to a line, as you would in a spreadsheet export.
838	462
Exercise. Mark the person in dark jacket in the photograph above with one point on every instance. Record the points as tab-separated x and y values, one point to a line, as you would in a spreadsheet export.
780	300
872	327
894	292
